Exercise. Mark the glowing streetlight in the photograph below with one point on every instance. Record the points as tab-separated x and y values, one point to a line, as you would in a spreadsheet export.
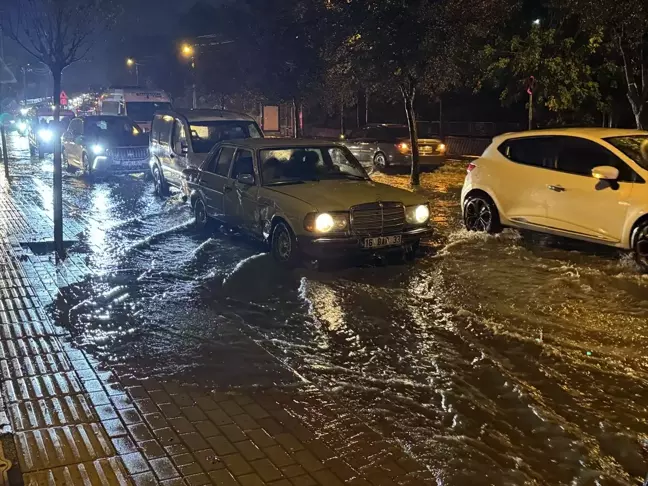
130	62
187	50
536	22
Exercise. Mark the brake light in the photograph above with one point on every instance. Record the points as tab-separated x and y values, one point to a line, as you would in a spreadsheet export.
470	167
403	148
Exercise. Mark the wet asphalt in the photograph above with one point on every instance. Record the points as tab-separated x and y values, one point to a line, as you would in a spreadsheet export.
509	359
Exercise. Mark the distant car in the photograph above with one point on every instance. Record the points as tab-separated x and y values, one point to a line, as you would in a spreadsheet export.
305	198
182	139
380	146
583	183
105	145
44	133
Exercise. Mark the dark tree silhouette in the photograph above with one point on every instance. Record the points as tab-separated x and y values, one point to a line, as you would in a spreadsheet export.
58	33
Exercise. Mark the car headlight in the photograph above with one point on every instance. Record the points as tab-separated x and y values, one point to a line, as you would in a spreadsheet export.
441	148
45	134
326	222
417	214
98	149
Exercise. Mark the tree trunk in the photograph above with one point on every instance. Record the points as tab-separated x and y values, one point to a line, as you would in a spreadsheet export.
293	115
58	179
408	96
366	107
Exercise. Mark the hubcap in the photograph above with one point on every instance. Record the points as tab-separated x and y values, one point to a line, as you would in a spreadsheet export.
478	215
156	180
283	244
380	160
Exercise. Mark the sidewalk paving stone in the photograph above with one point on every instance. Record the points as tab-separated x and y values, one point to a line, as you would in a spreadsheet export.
76	421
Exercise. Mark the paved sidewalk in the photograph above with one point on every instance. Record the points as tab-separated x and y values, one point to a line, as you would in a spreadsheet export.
74	420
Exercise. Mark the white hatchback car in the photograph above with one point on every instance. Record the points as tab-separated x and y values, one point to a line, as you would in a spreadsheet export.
584	183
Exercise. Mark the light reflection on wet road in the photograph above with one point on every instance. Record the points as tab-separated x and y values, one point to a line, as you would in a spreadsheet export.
514	359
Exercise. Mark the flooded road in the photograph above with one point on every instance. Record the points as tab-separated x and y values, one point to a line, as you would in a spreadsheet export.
509	359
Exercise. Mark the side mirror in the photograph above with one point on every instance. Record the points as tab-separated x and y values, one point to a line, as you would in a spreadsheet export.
605	173
247	179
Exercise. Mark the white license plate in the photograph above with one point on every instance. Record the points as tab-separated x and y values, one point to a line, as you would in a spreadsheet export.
382	241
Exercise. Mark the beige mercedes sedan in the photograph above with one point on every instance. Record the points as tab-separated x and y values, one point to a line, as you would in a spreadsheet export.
306	199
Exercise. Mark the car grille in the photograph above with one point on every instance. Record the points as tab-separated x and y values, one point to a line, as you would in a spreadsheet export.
128	153
382	218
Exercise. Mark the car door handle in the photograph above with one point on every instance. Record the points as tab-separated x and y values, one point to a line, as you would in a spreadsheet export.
556	188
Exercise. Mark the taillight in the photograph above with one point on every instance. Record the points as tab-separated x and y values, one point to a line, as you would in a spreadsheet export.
403	148
470	167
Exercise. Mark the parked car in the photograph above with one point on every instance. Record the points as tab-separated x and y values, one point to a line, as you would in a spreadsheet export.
105	144
381	146
305	198
584	183
44	133
182	139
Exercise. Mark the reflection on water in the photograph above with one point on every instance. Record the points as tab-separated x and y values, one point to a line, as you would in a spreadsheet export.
508	359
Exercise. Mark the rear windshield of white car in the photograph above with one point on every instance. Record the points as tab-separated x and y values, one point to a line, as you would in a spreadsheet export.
635	147
206	134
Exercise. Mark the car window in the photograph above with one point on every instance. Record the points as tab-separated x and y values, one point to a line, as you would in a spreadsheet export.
356	134
579	156
75	127
224	161
166	125
179	136
212	160
243	164
534	151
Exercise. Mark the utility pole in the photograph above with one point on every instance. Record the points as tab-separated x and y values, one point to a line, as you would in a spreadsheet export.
3	135
530	88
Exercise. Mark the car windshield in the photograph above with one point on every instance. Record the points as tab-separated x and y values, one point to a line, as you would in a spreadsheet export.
143	111
206	134
635	147
301	164
115	126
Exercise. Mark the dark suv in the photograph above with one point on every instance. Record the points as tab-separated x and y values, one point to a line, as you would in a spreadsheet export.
105	144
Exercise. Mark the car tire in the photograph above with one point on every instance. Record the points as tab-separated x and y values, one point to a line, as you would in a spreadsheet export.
159	183
284	245
201	218
409	255
379	162
640	246
65	161
85	163
480	214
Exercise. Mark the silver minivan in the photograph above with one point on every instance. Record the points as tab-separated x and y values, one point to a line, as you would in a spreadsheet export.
181	139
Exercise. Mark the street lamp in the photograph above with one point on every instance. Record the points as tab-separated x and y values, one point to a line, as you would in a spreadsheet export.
130	62
189	52
536	22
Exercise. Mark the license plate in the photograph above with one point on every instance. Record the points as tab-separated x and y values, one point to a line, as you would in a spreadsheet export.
382	241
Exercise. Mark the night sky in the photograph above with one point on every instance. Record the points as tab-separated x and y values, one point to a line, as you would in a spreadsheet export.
140	18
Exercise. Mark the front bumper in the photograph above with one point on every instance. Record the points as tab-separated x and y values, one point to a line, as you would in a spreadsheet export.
338	246
424	160
102	164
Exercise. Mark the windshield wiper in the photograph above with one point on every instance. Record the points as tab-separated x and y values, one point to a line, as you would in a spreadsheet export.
285	183
350	176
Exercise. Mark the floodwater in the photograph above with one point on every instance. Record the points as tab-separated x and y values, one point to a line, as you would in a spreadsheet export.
509	360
